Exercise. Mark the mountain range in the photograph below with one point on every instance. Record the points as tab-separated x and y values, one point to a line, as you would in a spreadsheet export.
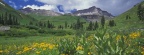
91	14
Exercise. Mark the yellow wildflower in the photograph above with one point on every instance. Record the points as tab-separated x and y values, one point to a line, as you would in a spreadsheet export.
1	51
118	37
26	49
89	53
51	46
79	48
134	35
20	52
44	48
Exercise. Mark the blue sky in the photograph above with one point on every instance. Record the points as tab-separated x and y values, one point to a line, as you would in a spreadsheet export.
114	7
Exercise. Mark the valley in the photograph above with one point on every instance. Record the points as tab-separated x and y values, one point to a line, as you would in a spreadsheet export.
90	31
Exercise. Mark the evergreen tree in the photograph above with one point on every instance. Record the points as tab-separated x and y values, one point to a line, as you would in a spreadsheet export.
0	19
90	27
48	24
140	12
78	25
112	23
30	23
96	25
102	21
60	27
66	25
128	17
10	20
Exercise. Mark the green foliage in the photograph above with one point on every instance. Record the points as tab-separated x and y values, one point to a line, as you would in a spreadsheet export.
67	46
17	33
114	44
32	27
55	32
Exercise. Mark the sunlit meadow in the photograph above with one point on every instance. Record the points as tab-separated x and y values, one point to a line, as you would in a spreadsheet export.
100	43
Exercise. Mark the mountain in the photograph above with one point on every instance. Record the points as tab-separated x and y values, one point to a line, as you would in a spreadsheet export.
22	18
93	14
42	12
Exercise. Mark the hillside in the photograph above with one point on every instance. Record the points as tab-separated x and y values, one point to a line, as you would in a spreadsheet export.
129	24
58	20
22	18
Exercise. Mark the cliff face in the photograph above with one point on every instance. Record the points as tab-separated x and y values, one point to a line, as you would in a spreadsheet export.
93	14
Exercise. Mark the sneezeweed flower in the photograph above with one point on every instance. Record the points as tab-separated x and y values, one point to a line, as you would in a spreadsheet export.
89	53
1	51
38	52
79	48
90	38
18	53
44	49
134	35
118	37
51	46
26	49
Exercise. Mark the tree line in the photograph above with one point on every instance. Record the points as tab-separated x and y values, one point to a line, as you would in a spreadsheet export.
77	25
8	19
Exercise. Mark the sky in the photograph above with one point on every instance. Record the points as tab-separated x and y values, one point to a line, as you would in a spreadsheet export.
115	7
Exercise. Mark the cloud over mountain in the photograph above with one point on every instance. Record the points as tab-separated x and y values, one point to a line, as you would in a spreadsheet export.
115	7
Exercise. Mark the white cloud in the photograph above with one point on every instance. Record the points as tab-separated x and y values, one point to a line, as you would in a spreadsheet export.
70	4
13	4
113	6
46	7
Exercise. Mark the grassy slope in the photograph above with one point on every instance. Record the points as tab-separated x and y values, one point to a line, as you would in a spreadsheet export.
23	19
133	23
58	20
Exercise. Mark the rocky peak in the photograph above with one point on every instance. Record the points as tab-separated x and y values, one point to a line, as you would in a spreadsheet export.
43	12
28	9
92	13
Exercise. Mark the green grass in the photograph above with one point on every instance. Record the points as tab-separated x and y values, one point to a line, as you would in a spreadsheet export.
30	39
58	20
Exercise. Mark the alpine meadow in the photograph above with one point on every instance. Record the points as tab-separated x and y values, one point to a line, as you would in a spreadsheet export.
30	30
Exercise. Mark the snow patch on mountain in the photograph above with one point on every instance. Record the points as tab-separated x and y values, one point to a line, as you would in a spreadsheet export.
2	3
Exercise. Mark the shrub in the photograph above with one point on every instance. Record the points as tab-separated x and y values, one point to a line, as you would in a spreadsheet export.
32	27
